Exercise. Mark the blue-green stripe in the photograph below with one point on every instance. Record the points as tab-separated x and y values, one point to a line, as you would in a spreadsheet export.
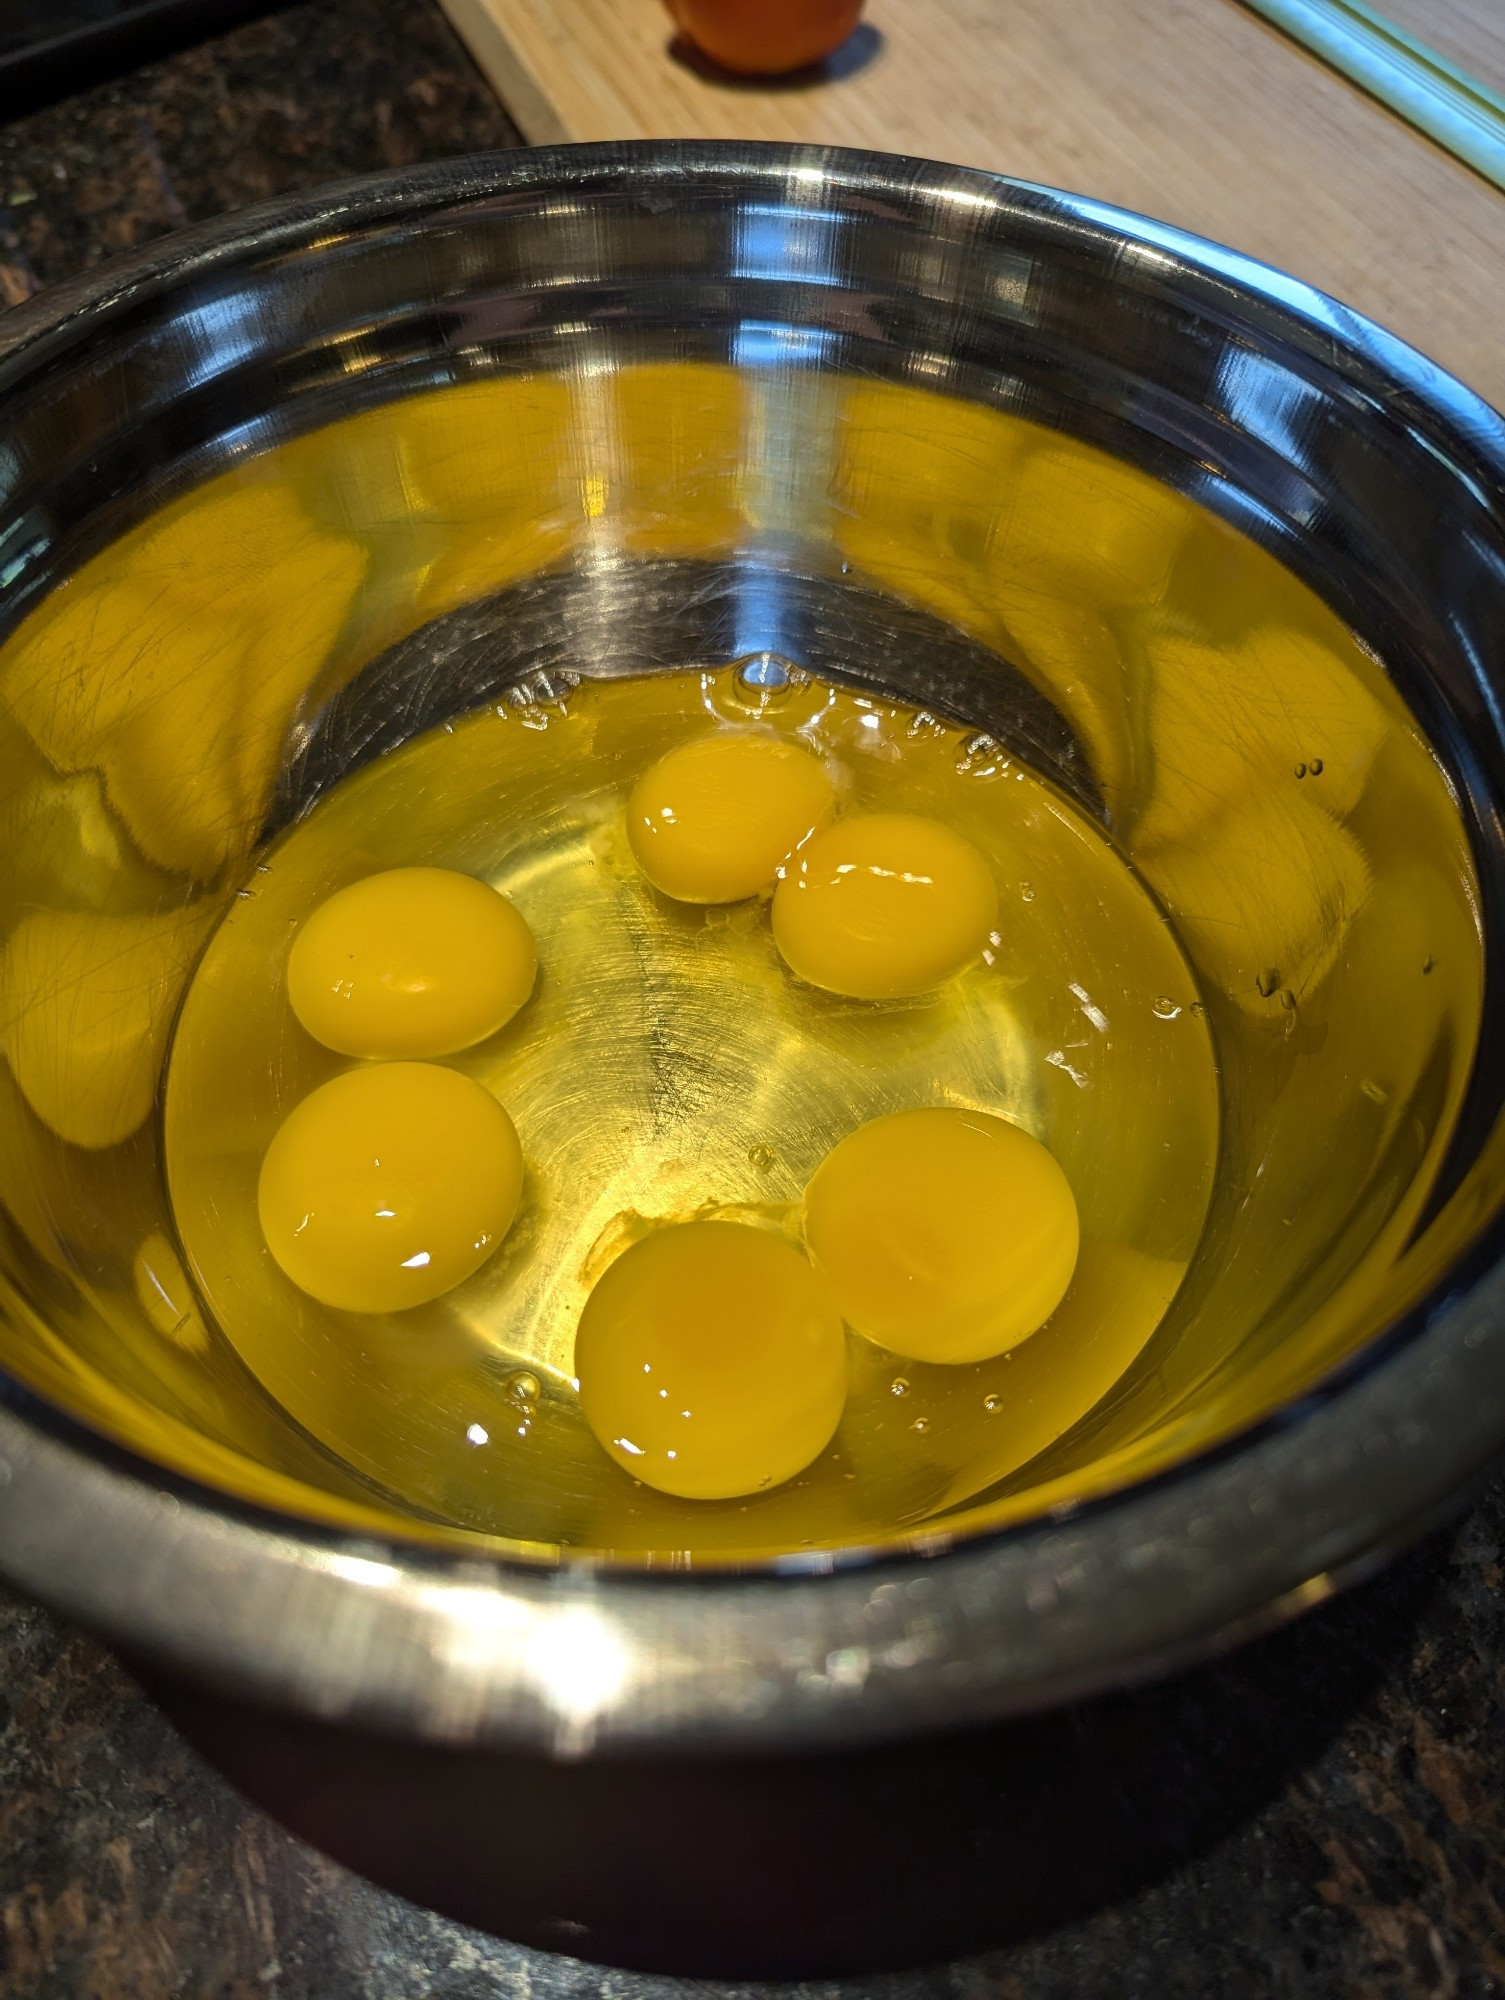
1419	85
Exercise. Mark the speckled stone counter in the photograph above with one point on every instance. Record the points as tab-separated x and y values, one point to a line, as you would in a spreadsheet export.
313	94
1331	1802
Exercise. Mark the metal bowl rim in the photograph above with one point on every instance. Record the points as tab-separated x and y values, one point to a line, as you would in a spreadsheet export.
60	1479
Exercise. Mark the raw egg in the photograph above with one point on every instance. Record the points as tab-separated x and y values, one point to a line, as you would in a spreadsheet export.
884	906
388	1185
946	1235
410	962
711	1360
714	819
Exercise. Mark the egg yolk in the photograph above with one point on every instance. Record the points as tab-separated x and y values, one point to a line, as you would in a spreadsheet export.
884	906
711	1361
946	1235
388	1185
714	819
411	962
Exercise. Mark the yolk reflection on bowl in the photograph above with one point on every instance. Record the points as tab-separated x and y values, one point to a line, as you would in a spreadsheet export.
389	1185
714	819
410	962
86	1006
884	906
946	1235
711	1360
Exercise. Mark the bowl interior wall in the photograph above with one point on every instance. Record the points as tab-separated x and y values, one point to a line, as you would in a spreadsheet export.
304	503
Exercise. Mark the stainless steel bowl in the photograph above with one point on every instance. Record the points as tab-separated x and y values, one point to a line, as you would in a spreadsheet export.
1376	480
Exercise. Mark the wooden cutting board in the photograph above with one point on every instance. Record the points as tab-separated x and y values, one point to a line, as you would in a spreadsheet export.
1191	110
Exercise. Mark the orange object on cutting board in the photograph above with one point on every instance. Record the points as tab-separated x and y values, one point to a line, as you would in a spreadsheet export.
766	37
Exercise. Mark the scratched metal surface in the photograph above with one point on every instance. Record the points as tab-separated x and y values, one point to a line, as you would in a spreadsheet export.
648	617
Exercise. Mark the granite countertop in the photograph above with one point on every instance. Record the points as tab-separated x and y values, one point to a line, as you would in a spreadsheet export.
1361	1853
